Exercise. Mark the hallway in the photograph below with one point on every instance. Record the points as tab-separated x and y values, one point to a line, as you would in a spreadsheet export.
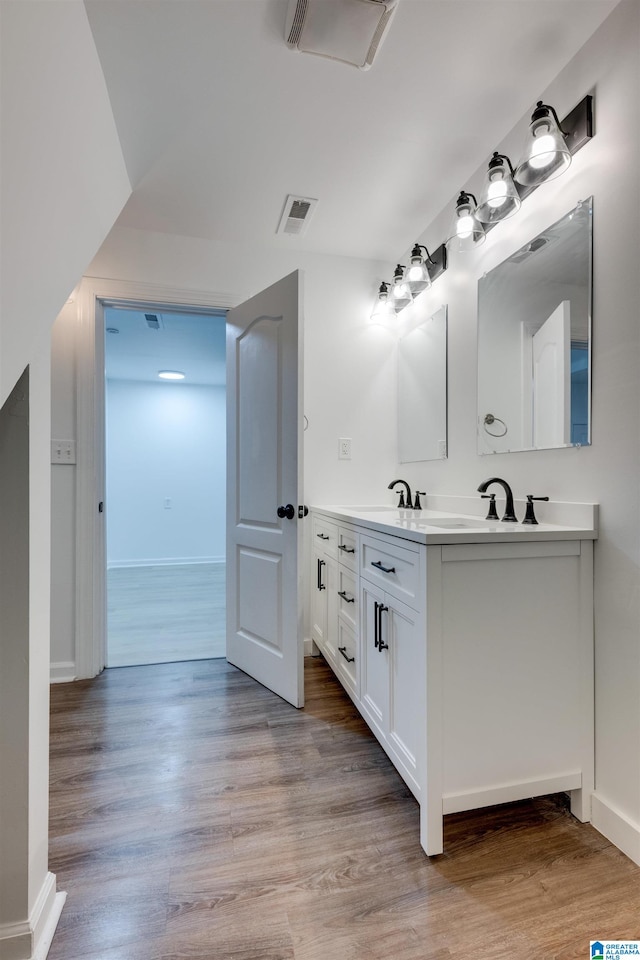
196	815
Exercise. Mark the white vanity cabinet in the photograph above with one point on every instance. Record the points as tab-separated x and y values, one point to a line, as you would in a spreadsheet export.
468	651
335	599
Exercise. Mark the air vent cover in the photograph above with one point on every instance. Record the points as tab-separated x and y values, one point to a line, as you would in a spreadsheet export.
296	215
347	30
153	321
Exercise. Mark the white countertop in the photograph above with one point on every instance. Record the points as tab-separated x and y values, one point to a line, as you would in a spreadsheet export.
448	526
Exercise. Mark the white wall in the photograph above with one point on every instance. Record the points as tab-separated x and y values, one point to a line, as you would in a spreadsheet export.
165	441
608	471
63	176
63	183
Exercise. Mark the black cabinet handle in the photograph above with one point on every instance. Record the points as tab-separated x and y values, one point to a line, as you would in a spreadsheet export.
381	644
343	651
343	594
341	546
378	564
322	536
289	512
321	586
375	624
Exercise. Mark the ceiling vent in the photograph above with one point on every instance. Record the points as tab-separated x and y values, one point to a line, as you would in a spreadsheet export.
296	215
153	320
347	30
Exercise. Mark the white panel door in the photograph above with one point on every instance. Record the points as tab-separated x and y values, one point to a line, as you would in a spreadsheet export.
264	470
552	380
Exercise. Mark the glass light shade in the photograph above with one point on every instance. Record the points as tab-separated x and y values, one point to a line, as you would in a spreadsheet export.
499	198
383	307
416	276
545	155
466	231
400	291
170	375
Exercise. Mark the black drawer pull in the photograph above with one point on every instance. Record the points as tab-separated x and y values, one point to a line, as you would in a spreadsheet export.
381	644
378	564
343	594
343	651
321	536
321	585
346	549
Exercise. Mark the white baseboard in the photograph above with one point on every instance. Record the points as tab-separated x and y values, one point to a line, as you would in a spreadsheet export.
62	672
616	827
32	938
162	562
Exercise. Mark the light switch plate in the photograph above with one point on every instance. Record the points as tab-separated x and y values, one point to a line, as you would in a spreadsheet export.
63	451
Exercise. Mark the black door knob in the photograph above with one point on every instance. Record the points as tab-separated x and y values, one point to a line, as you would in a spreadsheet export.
289	512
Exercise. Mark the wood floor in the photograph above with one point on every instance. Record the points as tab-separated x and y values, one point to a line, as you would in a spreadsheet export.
163	613
196	816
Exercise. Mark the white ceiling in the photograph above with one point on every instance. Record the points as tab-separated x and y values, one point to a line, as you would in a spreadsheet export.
219	120
193	344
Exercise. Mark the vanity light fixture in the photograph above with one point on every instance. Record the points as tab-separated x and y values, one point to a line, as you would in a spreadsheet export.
499	198
170	375
401	295
383	308
466	232
546	154
416	276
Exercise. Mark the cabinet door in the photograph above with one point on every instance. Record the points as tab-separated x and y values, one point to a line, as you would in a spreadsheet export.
347	660
319	599
402	630
374	676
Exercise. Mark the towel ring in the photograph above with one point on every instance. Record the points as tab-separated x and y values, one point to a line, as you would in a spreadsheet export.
488	420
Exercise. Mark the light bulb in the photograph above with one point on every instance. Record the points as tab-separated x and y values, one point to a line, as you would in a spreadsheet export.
464	226
497	192
543	151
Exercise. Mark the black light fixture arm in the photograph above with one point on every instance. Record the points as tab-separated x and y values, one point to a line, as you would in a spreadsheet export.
496	161
417	247
543	110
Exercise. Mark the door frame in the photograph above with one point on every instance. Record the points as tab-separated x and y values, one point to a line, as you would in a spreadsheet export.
93	293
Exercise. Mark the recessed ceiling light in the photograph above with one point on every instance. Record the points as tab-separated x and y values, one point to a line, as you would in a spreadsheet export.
170	375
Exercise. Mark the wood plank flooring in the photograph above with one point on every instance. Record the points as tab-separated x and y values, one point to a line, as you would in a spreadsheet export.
196	816
164	613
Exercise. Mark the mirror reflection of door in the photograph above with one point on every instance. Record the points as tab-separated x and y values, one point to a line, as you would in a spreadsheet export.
551	379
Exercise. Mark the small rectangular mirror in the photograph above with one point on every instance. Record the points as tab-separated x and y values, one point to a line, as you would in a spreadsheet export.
422	391
534	341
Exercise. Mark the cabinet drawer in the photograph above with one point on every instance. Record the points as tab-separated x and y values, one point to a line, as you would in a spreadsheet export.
396	569
348	547
348	596
325	536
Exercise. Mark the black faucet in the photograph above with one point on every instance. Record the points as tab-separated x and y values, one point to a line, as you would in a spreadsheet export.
509	515
402	504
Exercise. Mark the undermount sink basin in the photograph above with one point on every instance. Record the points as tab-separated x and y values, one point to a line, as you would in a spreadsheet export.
457	523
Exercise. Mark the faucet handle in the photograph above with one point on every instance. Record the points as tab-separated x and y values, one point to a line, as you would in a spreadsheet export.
416	503
529	516
493	513
401	501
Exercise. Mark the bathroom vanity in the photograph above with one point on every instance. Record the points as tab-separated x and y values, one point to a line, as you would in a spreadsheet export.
466	645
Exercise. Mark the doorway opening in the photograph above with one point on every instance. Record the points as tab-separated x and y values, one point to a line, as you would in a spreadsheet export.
165	427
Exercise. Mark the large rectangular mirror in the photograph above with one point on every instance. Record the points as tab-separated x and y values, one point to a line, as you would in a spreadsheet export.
534	341
422	391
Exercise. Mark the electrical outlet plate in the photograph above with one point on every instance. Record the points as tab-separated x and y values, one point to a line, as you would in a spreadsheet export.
344	448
